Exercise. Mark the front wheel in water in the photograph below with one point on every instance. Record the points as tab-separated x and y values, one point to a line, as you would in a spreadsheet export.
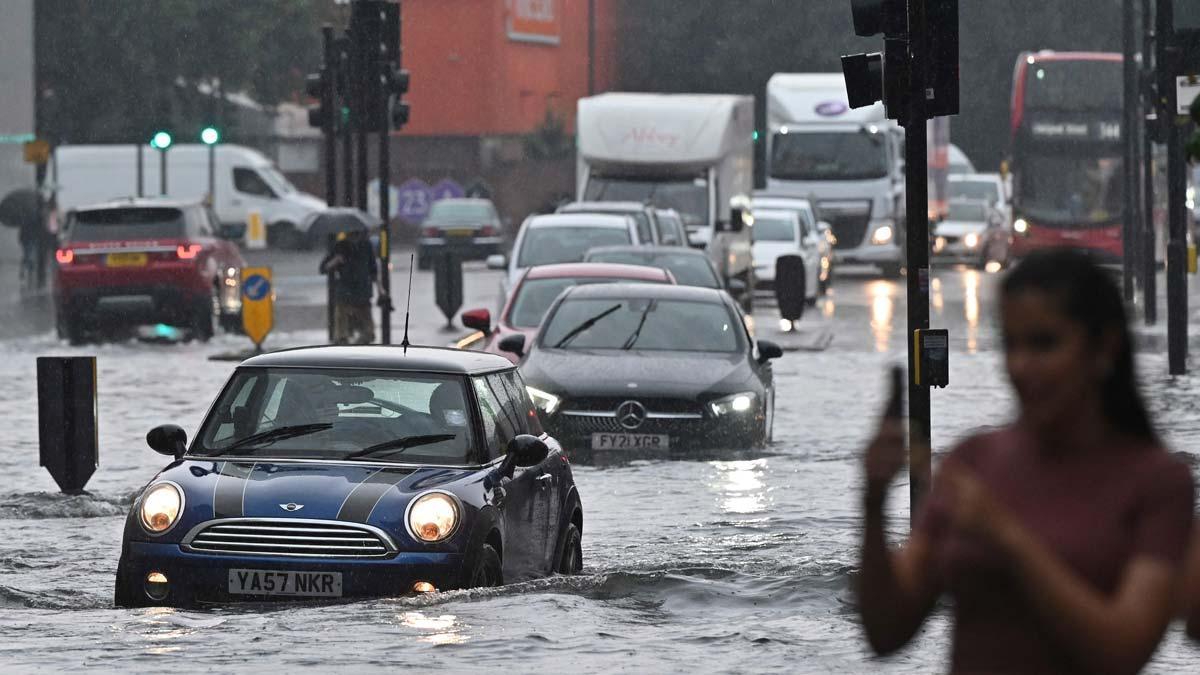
486	572
571	561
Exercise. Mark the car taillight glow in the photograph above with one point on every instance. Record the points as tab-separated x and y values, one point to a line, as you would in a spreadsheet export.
64	256
431	232
487	231
187	252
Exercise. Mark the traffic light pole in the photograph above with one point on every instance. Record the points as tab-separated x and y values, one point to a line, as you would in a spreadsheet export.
162	172
1129	145
916	163
1168	63
327	123
345	60
1149	235
385	235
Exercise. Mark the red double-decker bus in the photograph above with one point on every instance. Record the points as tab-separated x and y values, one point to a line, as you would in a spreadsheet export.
1067	180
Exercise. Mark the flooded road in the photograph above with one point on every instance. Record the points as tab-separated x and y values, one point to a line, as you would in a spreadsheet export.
739	563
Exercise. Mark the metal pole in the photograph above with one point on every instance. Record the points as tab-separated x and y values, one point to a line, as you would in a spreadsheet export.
1176	193
212	174
328	104
162	172
141	188
362	122
1149	235
348	122
385	235
591	47
916	163
1128	145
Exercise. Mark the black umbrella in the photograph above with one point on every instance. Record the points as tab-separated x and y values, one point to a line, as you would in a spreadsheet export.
333	221
21	208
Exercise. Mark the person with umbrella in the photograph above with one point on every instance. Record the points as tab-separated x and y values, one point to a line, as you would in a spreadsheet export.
351	262
21	209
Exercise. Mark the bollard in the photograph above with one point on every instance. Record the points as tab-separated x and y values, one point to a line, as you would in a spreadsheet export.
67	429
448	284
789	286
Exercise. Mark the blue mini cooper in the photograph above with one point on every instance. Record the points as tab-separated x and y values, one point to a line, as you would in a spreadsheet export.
334	472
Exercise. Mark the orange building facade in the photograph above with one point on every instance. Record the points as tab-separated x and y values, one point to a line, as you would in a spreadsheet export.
497	67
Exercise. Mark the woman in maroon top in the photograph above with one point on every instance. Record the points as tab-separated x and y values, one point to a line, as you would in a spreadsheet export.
1060	537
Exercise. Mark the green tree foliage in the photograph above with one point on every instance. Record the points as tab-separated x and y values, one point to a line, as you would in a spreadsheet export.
116	70
735	46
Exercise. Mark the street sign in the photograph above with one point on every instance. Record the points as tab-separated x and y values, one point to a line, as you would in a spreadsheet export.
412	201
37	151
1187	88
258	303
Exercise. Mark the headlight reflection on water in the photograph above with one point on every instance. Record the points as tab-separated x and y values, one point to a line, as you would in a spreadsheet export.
741	486
443	630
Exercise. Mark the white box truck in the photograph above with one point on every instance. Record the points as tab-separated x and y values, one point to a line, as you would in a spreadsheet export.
848	162
690	152
245	182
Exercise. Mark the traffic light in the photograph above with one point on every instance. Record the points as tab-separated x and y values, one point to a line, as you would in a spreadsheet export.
879	76
941	73
210	136
161	140
315	85
395	85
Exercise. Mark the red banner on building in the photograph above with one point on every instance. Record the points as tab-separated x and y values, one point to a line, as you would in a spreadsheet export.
534	21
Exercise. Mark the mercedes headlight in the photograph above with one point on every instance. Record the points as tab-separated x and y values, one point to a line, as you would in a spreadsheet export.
737	403
544	401
882	235
161	506
433	517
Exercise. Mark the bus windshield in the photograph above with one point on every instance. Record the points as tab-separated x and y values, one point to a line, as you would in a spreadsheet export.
1070	190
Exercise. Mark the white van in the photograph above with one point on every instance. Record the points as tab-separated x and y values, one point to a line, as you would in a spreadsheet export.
245	181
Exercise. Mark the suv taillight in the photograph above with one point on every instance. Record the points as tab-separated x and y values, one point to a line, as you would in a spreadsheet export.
64	256
487	231
188	251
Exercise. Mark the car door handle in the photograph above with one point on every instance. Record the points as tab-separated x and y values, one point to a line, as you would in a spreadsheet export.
545	480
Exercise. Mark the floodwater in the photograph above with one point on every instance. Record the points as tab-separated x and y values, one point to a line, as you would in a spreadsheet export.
729	564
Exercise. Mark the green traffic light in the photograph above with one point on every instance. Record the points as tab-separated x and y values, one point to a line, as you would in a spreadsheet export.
161	141
210	135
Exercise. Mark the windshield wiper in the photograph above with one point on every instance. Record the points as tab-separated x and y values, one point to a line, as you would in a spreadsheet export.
400	444
571	334
637	332
277	434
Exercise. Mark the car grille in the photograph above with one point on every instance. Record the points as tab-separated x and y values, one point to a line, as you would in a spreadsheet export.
289	537
849	222
599	414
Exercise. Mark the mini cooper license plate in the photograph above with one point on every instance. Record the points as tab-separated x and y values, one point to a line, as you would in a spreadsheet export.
630	441
125	260
275	582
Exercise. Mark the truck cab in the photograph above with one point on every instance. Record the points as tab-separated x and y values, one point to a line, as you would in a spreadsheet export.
849	163
693	153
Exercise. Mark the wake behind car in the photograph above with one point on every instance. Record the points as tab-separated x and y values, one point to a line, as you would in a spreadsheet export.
528	303
668	369
334	472
143	261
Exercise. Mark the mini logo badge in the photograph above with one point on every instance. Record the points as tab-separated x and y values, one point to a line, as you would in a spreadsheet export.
291	506
631	414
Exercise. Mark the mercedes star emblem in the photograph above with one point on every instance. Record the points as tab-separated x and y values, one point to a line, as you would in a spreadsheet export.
291	506
631	414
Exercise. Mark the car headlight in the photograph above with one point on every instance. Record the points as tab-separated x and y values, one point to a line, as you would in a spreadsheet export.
161	506
882	235
737	403
971	240
433	517
1020	226
544	401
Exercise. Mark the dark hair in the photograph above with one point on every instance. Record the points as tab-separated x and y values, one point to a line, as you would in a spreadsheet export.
1087	295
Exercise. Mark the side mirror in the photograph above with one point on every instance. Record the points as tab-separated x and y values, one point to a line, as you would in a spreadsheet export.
768	350
514	344
168	439
479	319
740	214
497	261
527	450
736	287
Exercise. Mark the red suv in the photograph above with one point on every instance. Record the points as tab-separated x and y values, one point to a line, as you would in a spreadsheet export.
143	261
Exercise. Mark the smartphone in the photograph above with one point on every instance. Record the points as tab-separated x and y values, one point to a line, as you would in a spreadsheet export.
895	406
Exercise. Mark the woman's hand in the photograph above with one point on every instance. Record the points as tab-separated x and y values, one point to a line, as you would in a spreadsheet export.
884	459
974	509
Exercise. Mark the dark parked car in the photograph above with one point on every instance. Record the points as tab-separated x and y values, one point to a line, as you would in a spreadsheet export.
641	367
471	228
334	472
144	261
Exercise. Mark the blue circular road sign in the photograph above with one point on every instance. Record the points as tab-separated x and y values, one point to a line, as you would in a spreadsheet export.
256	287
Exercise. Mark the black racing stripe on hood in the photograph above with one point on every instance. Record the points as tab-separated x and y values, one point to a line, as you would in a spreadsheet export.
362	499
231	486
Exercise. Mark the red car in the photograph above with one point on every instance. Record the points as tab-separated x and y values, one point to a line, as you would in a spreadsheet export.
535	292
144	261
